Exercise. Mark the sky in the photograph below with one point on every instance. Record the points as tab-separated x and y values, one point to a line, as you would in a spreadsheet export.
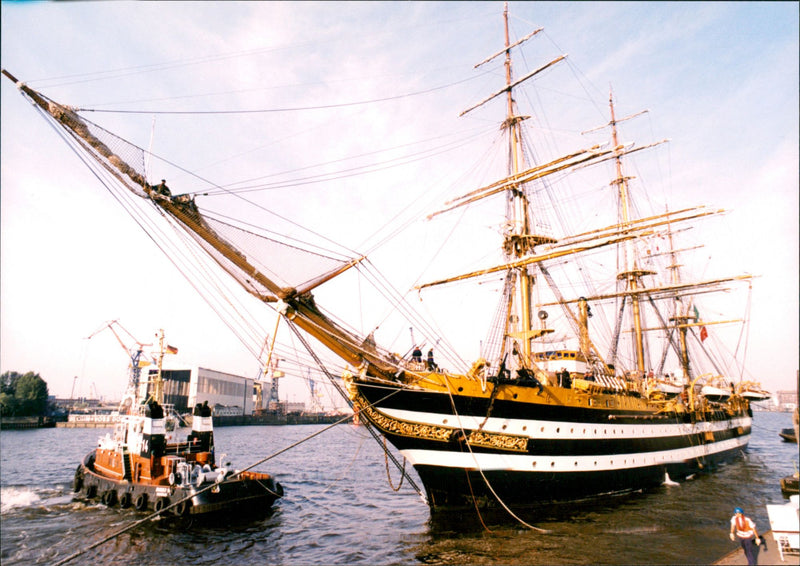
719	79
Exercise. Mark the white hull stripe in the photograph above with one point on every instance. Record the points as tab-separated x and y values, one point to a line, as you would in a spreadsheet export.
555	464
565	430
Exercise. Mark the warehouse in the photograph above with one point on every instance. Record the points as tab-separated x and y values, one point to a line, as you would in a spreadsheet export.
227	393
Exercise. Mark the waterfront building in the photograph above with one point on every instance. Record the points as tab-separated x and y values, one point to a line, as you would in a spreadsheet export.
228	394
786	400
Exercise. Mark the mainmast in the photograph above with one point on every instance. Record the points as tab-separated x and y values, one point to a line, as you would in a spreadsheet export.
631	272
681	318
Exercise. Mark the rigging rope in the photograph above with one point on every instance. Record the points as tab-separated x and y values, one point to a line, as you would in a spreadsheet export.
345	173
292	109
742	331
129	203
366	425
349	467
483	476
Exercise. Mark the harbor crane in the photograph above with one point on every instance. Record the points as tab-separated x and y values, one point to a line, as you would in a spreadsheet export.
270	366
134	352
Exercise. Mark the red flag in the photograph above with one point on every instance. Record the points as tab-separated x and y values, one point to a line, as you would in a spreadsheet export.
703	334
171	349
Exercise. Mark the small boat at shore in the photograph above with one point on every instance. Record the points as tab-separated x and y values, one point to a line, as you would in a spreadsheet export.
146	464
790	485
788	435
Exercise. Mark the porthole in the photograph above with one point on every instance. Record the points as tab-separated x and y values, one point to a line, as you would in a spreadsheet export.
444	421
504	427
542	429
534	463
552	464
558	430
460	389
525	427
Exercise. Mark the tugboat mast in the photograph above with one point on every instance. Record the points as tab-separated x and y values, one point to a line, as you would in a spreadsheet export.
158	382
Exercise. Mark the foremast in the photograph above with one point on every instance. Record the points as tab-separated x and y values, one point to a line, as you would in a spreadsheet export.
519	241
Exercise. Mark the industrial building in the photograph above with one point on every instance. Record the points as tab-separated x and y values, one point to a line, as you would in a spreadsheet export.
786	400
226	393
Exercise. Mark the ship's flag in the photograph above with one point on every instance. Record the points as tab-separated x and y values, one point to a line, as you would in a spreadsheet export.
703	334
696	313
171	349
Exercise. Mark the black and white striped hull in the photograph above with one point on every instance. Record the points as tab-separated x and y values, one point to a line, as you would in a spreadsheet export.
526	453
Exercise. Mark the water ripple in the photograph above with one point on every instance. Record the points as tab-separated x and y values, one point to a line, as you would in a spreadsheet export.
340	509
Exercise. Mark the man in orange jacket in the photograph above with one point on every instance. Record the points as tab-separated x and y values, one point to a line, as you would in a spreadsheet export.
745	529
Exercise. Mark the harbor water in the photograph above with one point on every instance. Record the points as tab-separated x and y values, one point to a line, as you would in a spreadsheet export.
340	507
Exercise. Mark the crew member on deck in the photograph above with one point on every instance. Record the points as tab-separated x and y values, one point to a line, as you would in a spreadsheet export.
431	364
564	380
416	355
745	529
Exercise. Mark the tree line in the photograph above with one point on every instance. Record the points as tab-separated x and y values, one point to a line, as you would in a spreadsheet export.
23	395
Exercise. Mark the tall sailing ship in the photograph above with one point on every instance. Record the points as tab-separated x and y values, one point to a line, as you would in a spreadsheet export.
547	412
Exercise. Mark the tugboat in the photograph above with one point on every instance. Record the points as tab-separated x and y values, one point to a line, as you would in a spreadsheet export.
145	464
